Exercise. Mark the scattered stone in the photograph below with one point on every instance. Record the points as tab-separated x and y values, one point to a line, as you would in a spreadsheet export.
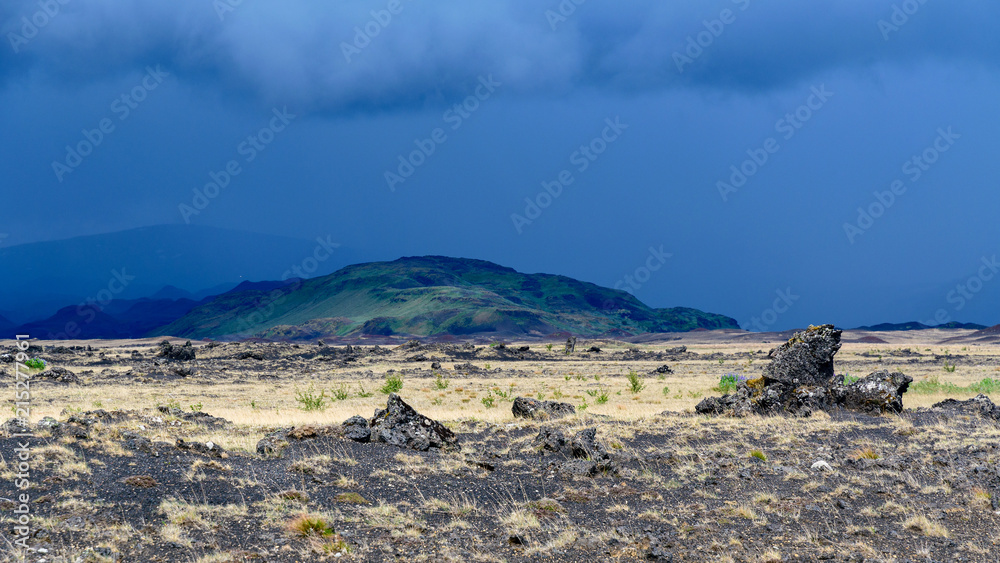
594	349
208	448
47	423
435	365
56	375
399	425
821	466
663	369
980	405
183	353
16	426
677	350
274	444
525	407
356	428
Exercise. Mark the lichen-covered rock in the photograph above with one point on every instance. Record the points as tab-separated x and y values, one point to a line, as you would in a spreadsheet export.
806	359
534	409
879	392
550	439
399	425
15	426
274	444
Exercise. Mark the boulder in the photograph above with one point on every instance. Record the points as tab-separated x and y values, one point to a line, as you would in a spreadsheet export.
585	446
550	439
356	428
274	444
877	393
806	359
534	409
399	425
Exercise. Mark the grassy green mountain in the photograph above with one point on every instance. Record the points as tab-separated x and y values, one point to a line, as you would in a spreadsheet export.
432	295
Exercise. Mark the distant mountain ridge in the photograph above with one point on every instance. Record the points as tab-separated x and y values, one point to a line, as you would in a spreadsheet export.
432	295
914	325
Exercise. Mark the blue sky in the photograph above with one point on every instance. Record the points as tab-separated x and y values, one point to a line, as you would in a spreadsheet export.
500	98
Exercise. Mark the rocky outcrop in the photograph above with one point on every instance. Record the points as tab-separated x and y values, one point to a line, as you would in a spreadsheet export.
980	405
534	409
801	379
183	353
400	425
806	359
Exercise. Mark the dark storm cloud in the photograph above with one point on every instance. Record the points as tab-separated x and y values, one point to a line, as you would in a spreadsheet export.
293	51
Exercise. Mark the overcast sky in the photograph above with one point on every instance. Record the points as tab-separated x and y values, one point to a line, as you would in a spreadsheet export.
715	152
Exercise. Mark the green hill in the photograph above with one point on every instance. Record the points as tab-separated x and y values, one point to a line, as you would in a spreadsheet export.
432	295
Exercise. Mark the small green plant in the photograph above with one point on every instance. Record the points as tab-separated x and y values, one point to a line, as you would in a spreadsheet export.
600	395
440	383
35	363
393	383
849	379
866	453
309	401
557	394
635	383
98	404
758	454
694	394
583	406
548	347
437	401
721	361
540	395
195	407
666	391
486	366
597	377
950	368
253	405
171	405
340	393
568	377
507	395
489	400
727	383
986	386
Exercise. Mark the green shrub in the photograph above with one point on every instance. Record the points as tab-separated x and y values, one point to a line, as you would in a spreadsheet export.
196	407
488	401
362	393
635	382
340	393
309	401
758	454
393	383
440	382
35	363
